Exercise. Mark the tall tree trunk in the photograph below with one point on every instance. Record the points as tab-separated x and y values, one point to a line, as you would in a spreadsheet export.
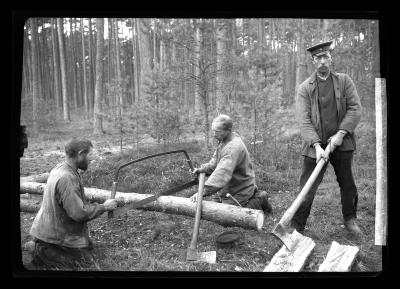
78	62
73	65
90	70
118	63
261	31
35	71
197	51
145	53
63	69
119	99
85	89
26	65
56	71
98	96
300	69
136	64
110	72
221	98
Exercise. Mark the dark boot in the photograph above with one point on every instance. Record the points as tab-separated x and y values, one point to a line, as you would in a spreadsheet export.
352	227
265	205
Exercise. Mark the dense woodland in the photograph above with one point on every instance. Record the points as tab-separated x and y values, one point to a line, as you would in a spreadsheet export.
167	77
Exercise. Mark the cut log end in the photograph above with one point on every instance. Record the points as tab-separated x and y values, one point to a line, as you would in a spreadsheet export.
259	221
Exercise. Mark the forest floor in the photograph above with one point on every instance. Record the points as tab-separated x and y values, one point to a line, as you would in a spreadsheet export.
129	243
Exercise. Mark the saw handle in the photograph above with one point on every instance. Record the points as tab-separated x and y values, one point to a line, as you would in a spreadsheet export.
193	243
287	217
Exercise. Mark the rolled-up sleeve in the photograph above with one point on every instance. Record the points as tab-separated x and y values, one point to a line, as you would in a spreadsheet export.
69	197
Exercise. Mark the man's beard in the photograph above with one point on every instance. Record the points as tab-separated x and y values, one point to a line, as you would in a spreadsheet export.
83	166
323	70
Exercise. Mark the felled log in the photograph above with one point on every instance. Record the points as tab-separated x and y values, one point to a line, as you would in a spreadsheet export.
340	258
223	214
29	205
31	188
292	261
40	178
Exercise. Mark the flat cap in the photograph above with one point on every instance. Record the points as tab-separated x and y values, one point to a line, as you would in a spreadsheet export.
320	48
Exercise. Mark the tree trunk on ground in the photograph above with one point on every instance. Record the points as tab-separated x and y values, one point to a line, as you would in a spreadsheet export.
223	214
29	205
63	69
35	80
40	178
98	96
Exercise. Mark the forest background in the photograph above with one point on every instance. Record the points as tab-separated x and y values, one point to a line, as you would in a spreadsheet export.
144	85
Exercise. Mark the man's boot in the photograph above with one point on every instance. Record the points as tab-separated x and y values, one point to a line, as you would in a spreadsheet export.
265	205
352	227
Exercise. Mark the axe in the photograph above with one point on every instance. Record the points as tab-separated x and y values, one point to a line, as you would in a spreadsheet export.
281	230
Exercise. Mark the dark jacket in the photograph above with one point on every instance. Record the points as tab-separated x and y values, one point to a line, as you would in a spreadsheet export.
348	107
63	215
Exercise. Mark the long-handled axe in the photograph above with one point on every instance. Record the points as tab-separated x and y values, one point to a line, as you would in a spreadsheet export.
281	230
192	253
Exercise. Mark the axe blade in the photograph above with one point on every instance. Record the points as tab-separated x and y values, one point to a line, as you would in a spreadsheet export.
208	257
286	238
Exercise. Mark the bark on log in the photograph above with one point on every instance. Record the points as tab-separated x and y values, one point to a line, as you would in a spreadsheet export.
41	178
29	206
222	214
31	188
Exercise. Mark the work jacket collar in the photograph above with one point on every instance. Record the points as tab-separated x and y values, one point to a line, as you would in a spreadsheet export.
313	77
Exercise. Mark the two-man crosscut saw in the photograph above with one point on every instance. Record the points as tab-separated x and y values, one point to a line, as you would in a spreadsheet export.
119	211
122	210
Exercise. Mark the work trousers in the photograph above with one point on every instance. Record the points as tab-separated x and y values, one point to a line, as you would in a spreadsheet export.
341	162
51	256
252	201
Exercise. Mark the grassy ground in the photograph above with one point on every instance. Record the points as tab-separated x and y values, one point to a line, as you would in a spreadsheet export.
155	241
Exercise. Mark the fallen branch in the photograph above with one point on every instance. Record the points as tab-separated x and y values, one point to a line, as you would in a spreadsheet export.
223	214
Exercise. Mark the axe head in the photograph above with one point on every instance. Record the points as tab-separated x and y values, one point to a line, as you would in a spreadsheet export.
285	237
194	255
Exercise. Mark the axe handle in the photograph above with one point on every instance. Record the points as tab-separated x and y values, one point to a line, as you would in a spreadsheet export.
193	243
113	193
287	217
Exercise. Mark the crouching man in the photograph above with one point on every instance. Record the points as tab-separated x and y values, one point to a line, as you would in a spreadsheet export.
232	178
60	228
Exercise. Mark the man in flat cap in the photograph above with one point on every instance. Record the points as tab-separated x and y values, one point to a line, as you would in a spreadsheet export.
329	109
232	178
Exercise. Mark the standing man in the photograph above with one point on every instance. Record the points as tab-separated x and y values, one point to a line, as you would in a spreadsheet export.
232	178
60	228
329	110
